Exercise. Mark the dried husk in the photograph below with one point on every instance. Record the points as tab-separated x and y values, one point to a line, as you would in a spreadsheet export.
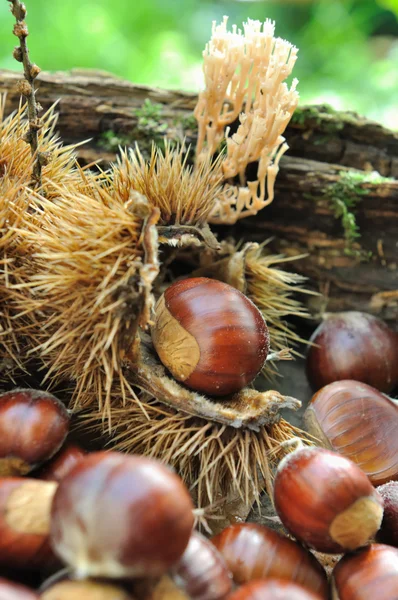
83	260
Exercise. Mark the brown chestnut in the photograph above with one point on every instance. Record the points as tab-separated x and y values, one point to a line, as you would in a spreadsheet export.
273	589
25	506
86	589
117	515
353	345
254	551
359	422
367	574
210	336
388	532
33	427
201	571
326	501
13	591
62	463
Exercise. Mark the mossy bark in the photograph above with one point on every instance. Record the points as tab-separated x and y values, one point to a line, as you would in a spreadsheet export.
346	222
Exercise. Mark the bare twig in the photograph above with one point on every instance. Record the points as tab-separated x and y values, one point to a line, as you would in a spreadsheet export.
26	87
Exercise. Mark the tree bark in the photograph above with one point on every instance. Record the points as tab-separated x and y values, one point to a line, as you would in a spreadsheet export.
355	266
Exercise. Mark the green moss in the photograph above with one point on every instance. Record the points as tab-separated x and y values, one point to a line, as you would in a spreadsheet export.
149	121
149	113
109	140
343	197
149	128
322	117
187	122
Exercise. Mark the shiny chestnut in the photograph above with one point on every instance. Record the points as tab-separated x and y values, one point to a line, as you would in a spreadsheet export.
361	423
13	591
33	427
273	589
63	462
210	336
388	532
117	515
254	551
25	506
370	573
326	501
201	571
353	345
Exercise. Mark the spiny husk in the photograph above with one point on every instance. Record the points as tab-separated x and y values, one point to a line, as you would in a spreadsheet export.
80	289
78	272
18	209
217	462
273	291
16	159
184	196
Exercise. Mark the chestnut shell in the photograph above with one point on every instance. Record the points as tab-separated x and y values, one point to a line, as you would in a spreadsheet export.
369	573
210	336
359	422
253	551
353	345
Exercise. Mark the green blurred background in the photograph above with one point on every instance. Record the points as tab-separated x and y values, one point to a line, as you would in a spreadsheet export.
348	48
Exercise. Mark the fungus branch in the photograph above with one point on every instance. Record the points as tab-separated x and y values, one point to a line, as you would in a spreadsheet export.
26	87
244	78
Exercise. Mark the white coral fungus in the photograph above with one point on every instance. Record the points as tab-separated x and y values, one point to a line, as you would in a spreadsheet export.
244	78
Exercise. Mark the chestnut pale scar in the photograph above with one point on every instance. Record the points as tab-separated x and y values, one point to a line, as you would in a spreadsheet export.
357	524
177	348
29	507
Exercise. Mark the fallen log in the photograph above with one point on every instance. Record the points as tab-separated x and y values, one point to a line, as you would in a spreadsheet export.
336	193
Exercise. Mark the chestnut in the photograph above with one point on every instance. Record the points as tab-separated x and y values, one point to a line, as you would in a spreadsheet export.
201	571
210	336
117	515
353	345
254	551
359	422
273	589
62	463
388	532
14	591
367	574
326	501
86	589
25	506
33	427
